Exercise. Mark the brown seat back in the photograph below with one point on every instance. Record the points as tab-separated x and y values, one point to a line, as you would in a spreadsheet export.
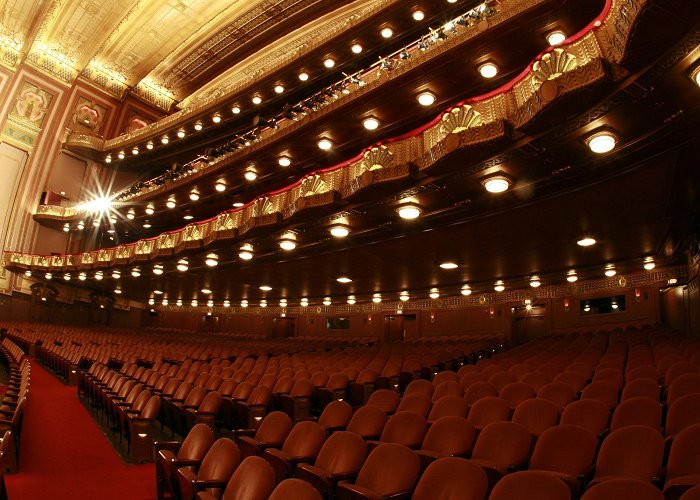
383	480
304	440
295	489
343	453
451	477
449	435
274	428
196	443
253	479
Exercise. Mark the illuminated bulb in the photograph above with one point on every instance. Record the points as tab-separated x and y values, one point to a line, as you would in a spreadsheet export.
99	275
82	276
284	161
131	214
377	298
96	223
279	89
610	271
164	139
351	300
370	123
136	272
220	187
528	307
403	296
409	211
188	217
250	175
170	203
356	48
614	305
120	155
287	244
602	142
263	303
194	303
81	225
246	252
205	291
535	282
449	265
327	301
426	98
198	126
434	293
66	276
325	144
108	159
164	302
194	195
158	269
499	286
304	302
649	263
587	308
387	32
257	99
586	242
236	110
265	288
66	228
303	76
135	151
182	265
178	302
418	15
466	290
27	273
151	301
488	70
158	292
48	276
147	225
672	281
210	303
150	210
497	184
344	279
149	145
116	274
216	118
237	204
555	38
571	276
227	303
118	291
212	260
329	63
244	303
339	231
181	133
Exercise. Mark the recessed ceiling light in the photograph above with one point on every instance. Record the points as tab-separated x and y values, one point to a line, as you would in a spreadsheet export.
227	303
555	37
151	301
158	269
325	144
147	225
150	210
672	281
343	279
131	214
220	186
188	217
586	242
403	296
66	276
171	203
265	288
244	303
327	301
434	293
238	204
194	195
246	251
284	161
257	99
136	272
194	303
158	292
387	32
426	98
601	142
370	123
263	303
164	139
181	133
499	286
418	15
449	265
279	89
182	265
135	150
466	290
304	302
571	276
118	291
108	159
212	260
198	126
488	70
303	76
83	276
116	274
236	110
205	291
377	298
496	184
649	263
328	63
250	174
216	118
287	244
120	155
610	270
339	230
356	48
535	282
451	1
409	211
351	300
149	145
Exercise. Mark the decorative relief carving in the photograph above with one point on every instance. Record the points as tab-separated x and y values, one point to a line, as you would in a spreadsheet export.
552	65
377	158
458	120
312	185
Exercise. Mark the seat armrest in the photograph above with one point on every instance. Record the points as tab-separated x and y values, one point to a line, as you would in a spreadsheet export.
186	463
348	491
244	432
200	484
399	495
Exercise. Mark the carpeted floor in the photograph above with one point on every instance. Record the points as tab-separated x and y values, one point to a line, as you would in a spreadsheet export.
64	454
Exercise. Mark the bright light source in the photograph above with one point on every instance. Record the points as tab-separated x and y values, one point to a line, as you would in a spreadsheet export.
220	187
194	195
602	142
339	230
586	242
649	263
328	63
287	244
182	265
555	38
434	293
403	296
216	118
571	276
497	184
535	282
257	99
418	15
198	126
158	269
279	89
236	110
449	265
100	205
212	260
610	270
488	70
356	48
250	175
370	123
164	139
351	300
246	252
426	98
171	203
499	286
327	301
343	279
284	161
181	133
377	298
265	288
466	290
387	32
303	76
409	211
325	144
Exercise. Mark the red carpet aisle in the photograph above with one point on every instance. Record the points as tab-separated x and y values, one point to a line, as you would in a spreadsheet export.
64	455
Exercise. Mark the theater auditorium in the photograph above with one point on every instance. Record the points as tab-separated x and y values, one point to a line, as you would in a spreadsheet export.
350	249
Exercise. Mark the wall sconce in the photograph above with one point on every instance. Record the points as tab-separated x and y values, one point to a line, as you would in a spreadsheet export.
637	293
432	317
566	304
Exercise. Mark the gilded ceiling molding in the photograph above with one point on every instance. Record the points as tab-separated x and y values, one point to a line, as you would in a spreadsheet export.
460	127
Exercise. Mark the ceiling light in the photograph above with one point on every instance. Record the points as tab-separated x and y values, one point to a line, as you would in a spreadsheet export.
210	303
325	144
198	126
66	227
488	70
171	203
246	251
99	275
409	211
150	210
426	98
149	145
571	276
418	15
116	274
283	302
81	225
339	230
220	186
496	184
216	118
499	286
649	263
96	223
188	217
303	76
370	123
387	32
451	1
449	265
238	204
244	303
287	243
279	89
466	290
118	291
586	242
158	292
147	225
182	265
205	291
610	270
27	273
265	288
304	302
158	269
135	150
235	110
555	37
257	99
327	301
194	195
164	302
48	276
343	279
108	159
151	301
328	63
377	298
227	303
194	303
403	296
164	139
535	282
284	161
351	300
181	133
212	260
356	48
263	303
434	293
120	155
136	272
66	276
131	214
250	174
672	281
601	142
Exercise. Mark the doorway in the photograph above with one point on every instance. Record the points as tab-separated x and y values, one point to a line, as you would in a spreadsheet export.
283	328
529	324
394	328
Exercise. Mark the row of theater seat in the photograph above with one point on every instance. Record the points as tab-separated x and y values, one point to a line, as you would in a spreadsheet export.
12	404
